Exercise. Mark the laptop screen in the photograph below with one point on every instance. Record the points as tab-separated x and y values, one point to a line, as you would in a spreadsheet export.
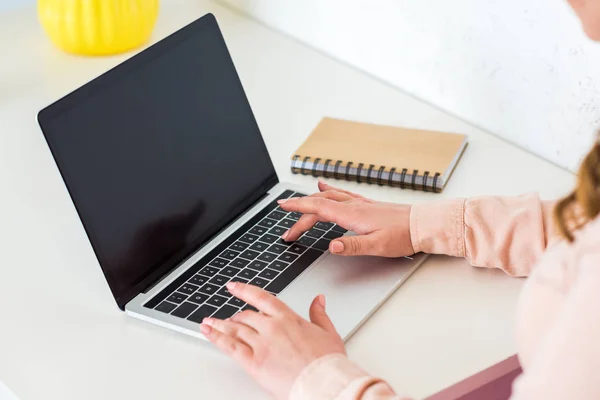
159	154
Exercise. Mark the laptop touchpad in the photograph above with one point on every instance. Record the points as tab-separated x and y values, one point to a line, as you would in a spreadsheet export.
353	286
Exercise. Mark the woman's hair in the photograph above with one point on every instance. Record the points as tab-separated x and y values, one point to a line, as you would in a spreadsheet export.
583	204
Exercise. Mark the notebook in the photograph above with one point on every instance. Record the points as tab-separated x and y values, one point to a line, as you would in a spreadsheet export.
378	154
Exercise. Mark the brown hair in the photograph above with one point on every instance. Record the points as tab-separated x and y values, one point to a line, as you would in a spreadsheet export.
583	204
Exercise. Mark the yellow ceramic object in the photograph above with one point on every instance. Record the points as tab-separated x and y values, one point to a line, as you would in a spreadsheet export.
98	27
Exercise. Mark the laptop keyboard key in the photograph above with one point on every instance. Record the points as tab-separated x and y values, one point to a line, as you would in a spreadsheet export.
229	271
258	265
287	257
333	235
248	274
188	288
249	238
298	195
209	271
277	231
267	257
217	301
277	248
239	246
268	238
321	244
278	265
239	279
324	225
282	242
198	280
201	313
198	298
219	280
249	254
209	288
276	215
249	307
225	312
297	248
306	241
258	230
268	274
315	233
239	263
184	310
229	254
177	298
236	302
292	272
286	194
224	292
295	215
218	262
259	282
287	223
338	228
259	246
166	307
267	223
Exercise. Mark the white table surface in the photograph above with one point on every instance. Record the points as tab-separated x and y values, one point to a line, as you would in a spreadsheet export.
61	334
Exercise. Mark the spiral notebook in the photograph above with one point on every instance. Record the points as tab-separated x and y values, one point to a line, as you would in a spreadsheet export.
378	154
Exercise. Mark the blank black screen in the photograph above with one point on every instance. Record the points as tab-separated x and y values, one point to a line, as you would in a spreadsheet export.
158	154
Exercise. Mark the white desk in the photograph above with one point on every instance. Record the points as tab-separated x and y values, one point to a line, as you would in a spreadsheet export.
61	334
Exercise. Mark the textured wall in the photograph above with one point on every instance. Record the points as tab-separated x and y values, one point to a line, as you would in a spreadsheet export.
521	69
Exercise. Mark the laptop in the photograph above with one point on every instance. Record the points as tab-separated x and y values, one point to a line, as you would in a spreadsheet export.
170	176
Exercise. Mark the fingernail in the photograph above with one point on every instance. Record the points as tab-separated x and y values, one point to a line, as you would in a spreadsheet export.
205	329
282	201
285	234
337	246
207	321
231	285
322	300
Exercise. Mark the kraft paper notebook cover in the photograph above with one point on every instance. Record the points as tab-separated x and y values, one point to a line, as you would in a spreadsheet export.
378	154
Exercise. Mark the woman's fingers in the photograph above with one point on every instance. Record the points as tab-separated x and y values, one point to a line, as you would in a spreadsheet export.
257	297
363	245
325	187
305	223
323	208
245	333
318	315
250	318
230	345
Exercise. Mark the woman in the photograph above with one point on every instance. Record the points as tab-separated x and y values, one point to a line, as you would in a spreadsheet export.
559	311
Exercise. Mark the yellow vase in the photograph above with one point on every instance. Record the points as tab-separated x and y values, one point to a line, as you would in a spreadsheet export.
98	27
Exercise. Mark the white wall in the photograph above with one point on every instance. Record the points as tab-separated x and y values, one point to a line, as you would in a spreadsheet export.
9	4
521	69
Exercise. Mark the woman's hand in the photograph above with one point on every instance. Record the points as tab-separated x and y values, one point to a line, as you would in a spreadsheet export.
383	229
277	344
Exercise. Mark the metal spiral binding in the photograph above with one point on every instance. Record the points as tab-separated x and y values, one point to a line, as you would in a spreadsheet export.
403	182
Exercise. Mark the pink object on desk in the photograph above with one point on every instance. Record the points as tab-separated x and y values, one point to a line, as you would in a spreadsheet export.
493	383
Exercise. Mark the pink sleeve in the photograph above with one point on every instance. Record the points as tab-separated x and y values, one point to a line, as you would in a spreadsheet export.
567	360
509	233
336	377
499	232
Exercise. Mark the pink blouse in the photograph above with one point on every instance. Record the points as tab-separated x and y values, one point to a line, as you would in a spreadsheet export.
558	317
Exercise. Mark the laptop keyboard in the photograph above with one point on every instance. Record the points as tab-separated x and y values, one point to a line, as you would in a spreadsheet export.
254	254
